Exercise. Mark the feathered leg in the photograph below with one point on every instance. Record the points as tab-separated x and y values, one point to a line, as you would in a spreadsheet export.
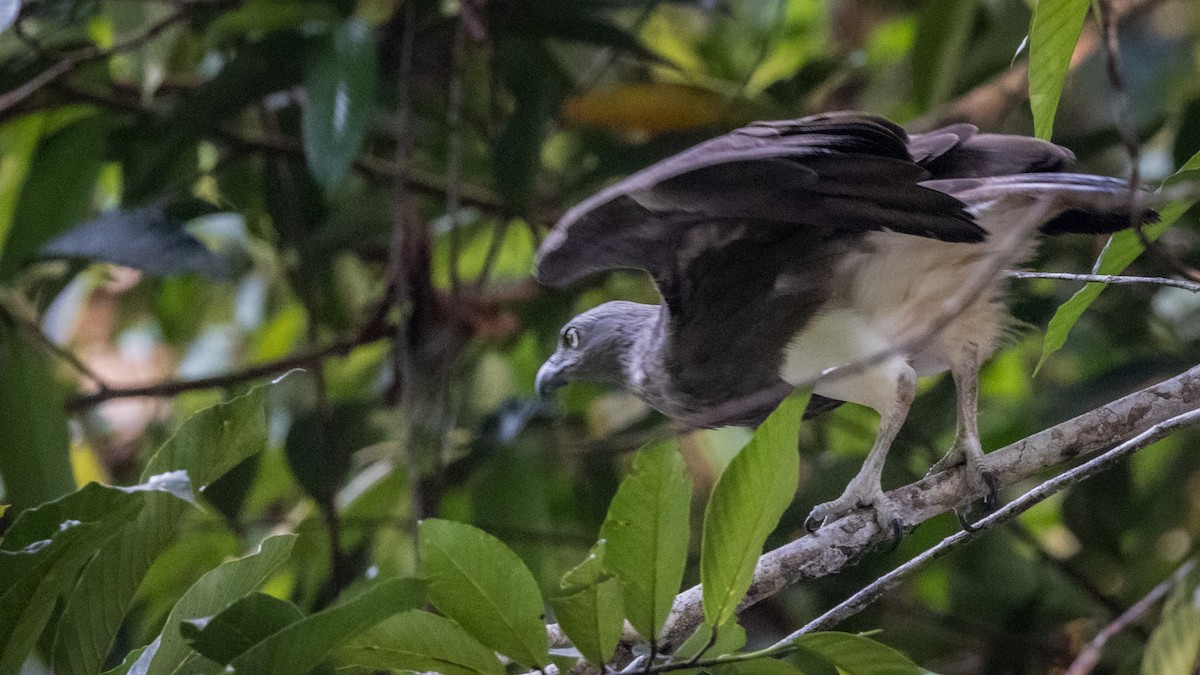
866	489
967	448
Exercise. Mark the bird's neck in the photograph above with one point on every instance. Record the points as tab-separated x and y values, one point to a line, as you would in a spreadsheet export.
644	365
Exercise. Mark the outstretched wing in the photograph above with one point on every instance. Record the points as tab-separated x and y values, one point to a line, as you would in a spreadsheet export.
838	174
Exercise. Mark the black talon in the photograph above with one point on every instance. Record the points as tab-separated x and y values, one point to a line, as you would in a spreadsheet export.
897	533
963	521
992	498
811	524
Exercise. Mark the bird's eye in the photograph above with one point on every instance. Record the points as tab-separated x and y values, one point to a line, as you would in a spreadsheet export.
570	338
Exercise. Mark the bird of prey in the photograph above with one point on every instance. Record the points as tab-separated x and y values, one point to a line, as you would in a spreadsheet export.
786	250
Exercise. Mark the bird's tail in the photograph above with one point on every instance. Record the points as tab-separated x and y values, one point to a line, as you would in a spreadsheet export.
1073	202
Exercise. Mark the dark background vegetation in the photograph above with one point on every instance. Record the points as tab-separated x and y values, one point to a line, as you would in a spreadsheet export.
370	180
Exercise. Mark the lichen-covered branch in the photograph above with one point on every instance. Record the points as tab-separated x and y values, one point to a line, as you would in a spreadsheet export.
842	543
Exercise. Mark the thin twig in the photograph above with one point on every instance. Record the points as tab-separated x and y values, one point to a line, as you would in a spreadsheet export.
72	61
1090	655
257	372
1106	279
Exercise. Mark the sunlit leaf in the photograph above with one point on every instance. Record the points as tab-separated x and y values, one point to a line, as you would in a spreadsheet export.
857	655
480	583
646	535
42	551
730	638
240	626
209	595
745	506
1053	33
303	644
340	82
421	642
206	446
589	609
57	191
18	141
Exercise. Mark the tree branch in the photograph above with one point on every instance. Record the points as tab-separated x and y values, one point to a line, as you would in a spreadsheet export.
1106	279
268	369
846	540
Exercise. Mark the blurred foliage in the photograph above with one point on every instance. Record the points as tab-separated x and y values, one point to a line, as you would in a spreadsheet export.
201	195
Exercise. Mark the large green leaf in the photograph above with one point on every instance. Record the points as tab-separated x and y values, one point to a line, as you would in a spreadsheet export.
57	192
646	535
341	96
35	459
857	655
210	594
420	641
45	547
303	645
480	583
1122	249
589	610
206	446
18	140
1053	32
1175	643
746	504
240	626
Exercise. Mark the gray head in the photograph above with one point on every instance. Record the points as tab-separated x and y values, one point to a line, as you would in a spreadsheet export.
598	346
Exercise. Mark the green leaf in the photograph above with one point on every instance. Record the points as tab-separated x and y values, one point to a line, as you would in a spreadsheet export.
18	141
480	583
1122	249
943	29
730	638
43	550
1175	643
761	667
589	610
240	626
1053	32
214	591
57	191
303	645
35	461
646	535
206	446
340	82
857	655
746	504
150	238
422	642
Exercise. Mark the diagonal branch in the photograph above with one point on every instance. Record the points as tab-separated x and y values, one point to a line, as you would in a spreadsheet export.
845	541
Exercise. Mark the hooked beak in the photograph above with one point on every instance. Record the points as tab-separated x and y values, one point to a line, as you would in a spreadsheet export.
549	379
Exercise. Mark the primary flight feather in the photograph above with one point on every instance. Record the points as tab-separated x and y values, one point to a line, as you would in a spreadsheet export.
785	249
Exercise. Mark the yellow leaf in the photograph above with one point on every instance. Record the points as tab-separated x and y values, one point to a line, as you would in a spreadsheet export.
646	109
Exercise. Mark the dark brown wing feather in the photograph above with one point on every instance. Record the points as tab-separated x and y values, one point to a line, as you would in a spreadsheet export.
960	151
844	173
